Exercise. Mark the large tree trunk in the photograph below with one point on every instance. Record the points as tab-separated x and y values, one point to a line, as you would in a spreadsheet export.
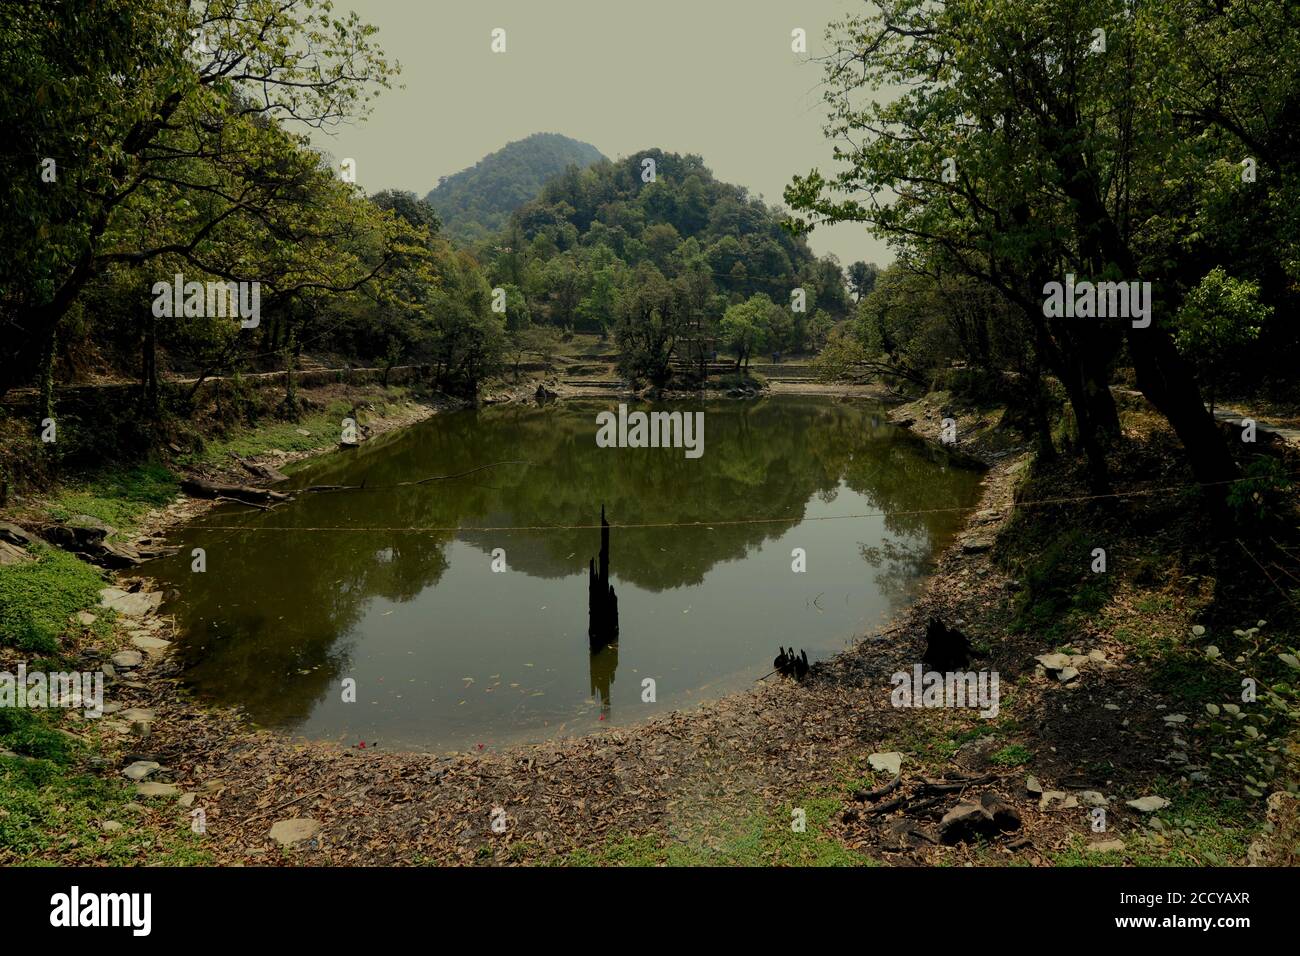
48	350
1167	382
149	368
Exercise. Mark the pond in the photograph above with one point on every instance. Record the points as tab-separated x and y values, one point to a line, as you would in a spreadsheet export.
459	606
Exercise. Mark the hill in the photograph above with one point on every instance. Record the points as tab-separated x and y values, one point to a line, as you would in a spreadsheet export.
479	200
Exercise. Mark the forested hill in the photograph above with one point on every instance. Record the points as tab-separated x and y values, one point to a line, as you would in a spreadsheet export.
599	241
479	200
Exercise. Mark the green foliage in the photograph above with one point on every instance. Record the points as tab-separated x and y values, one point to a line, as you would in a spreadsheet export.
749	326
1256	739
1015	153
37	598
1263	495
659	263
1058	584
28	733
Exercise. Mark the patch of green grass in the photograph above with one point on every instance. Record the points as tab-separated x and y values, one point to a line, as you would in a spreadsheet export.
746	839
118	497
53	813
37	598
29	733
1014	755
1059	588
643	850
50	815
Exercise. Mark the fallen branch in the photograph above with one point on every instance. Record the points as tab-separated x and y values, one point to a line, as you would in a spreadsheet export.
874	795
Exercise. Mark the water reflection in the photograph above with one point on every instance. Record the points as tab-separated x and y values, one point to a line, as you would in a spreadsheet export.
393	585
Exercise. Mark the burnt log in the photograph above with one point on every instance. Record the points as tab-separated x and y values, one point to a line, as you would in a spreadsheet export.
602	602
946	648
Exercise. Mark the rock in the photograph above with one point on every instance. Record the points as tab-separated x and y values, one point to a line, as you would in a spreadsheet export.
112	708
303	432
90	526
128	659
1175	718
138	604
1106	846
1054	662
11	554
187	800
1067	801
116	556
886	762
150	789
212	786
1148	804
289	832
151	645
1033	787
1111	706
1091	798
1097	656
85	618
11	533
141	769
1067	674
976	546
132	714
110	826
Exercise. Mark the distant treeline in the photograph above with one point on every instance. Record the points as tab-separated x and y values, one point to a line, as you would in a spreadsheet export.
673	262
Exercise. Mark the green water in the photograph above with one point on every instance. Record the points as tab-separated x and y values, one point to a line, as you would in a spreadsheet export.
394	587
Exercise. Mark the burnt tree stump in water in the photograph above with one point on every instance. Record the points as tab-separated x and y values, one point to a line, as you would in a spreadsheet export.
602	602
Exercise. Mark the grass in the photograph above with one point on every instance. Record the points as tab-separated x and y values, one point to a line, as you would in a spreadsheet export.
324	427
38	598
1014	755
1200	830
52	813
118	497
749	839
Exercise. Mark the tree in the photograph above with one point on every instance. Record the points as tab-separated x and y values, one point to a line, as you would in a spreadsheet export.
747	326
152	101
1013	158
862	278
1218	314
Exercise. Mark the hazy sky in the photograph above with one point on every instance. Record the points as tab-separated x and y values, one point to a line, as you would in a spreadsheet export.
713	77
